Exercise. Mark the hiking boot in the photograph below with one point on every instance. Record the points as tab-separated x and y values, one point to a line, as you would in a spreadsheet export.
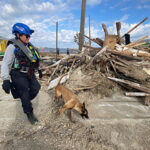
31	117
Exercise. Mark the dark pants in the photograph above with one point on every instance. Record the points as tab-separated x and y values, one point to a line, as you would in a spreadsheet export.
26	88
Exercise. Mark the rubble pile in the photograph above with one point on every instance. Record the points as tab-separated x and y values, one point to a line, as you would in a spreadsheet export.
128	65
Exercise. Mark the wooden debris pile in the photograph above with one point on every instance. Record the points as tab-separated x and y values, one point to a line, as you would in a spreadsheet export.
128	65
63	65
125	64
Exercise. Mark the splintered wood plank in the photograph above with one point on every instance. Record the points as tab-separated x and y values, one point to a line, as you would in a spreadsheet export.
131	84
134	27
141	94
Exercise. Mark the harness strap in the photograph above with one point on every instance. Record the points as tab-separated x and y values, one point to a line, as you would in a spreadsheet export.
26	51
35	50
22	69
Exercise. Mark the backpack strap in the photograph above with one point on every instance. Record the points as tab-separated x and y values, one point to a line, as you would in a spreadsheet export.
26	51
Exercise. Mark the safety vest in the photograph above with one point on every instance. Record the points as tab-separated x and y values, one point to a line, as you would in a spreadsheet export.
25	56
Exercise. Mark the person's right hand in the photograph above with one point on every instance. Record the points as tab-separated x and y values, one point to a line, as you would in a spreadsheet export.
6	86
40	74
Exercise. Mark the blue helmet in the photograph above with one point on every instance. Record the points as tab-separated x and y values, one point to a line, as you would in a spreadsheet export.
21	28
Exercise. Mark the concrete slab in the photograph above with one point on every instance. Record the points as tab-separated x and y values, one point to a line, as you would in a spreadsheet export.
119	107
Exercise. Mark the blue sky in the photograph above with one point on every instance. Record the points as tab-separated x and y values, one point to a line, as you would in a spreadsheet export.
41	15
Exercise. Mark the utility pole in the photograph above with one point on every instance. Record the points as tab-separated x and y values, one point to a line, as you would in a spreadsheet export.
82	22
89	32
57	52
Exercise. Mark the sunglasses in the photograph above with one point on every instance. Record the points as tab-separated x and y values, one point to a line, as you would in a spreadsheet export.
26	35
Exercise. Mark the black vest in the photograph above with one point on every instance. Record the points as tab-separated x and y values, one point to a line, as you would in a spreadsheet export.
25	56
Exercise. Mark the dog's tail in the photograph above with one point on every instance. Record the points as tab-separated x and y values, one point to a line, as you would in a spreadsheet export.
61	78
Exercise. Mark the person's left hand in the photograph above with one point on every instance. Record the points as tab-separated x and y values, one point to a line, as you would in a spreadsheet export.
6	86
40	74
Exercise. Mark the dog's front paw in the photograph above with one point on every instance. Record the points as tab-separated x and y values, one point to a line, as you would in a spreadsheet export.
72	121
57	115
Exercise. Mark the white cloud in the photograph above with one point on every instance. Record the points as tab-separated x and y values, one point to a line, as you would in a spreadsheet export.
67	35
141	31
8	8
95	32
124	18
45	6
42	16
93	2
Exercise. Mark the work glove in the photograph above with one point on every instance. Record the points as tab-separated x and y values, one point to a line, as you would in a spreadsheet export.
40	73
6	86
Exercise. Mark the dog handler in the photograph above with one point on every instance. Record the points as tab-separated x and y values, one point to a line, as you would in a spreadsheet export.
18	66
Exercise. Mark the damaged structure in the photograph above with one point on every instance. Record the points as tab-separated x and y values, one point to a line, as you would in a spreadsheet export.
128	65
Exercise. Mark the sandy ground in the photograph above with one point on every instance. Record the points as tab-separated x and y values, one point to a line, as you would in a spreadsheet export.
116	122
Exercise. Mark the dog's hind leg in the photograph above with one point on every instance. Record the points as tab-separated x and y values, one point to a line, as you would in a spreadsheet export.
57	95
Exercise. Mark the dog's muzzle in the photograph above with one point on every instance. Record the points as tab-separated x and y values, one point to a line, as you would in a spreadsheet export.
84	116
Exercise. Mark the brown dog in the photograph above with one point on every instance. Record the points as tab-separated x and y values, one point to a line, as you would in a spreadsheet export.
70	99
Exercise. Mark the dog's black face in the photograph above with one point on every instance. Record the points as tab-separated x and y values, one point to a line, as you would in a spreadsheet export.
84	113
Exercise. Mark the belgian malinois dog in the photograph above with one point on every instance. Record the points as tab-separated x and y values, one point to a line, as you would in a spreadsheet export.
70	99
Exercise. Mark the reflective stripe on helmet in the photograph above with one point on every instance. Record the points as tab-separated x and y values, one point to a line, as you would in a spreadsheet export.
21	28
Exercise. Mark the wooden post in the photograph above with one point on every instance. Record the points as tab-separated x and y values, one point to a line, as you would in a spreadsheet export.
82	22
105	29
56	40
118	26
110	40
89	32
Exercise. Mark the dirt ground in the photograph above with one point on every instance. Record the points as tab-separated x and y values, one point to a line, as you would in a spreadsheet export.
115	122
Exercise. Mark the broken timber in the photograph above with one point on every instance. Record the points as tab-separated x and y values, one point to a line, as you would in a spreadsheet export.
124	55
110	40
136	42
93	48
98	54
97	41
136	94
134	27
131	84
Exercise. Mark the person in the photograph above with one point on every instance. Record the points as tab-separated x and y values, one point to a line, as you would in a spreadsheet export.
68	53
20	61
